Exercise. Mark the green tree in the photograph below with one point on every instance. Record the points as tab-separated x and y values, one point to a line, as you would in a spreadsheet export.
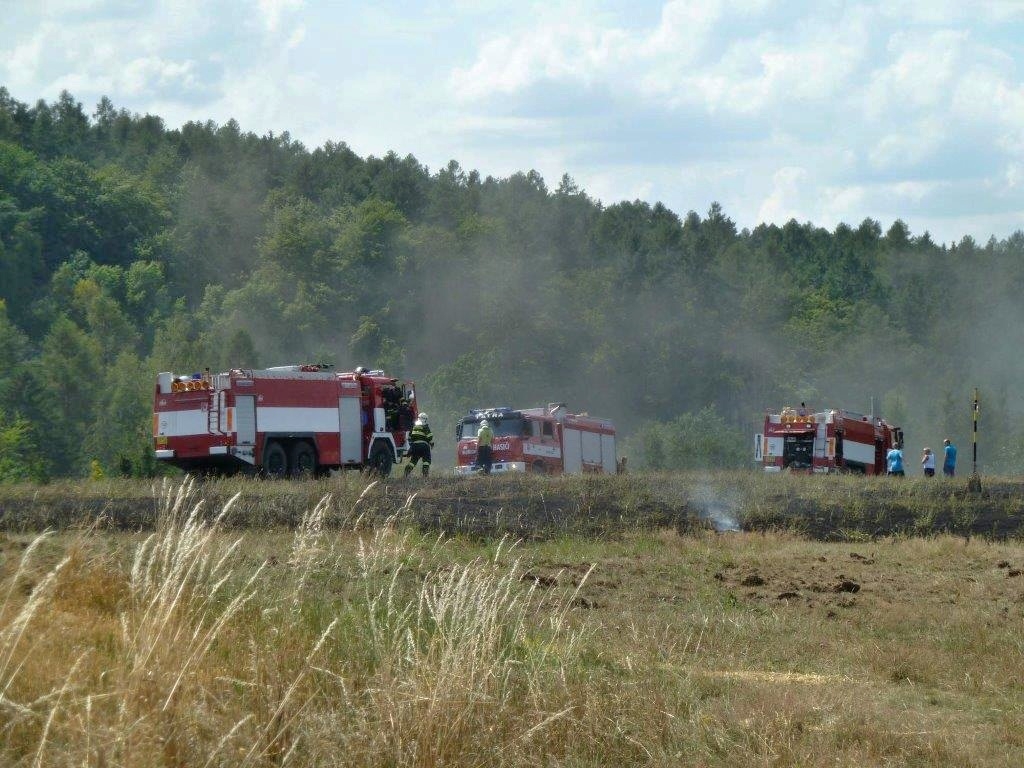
121	425
21	459
69	374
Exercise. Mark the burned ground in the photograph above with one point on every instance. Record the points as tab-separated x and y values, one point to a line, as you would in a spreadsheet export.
527	507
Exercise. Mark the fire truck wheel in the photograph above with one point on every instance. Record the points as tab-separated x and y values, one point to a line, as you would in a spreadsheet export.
302	461
275	462
381	459
538	468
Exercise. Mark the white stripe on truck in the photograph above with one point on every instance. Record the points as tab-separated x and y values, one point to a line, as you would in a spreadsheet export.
181	423
296	419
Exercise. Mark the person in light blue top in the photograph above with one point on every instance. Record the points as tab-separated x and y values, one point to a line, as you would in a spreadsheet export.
949	458
894	462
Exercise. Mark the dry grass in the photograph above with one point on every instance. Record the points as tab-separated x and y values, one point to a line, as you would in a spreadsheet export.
357	639
831	508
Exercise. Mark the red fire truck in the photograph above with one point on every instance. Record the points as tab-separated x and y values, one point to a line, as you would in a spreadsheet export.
543	440
285	421
827	441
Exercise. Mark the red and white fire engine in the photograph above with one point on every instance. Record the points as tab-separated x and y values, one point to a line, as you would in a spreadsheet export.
828	441
543	440
284	421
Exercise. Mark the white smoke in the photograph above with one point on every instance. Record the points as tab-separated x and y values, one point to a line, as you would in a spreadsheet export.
718	507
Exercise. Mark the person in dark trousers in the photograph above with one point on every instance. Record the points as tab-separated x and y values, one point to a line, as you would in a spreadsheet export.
484	438
421	440
894	462
928	462
948	458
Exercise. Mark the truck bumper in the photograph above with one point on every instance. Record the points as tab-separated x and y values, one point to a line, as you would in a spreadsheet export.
496	468
164	453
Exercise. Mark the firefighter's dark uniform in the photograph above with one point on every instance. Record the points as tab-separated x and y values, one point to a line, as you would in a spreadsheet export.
421	440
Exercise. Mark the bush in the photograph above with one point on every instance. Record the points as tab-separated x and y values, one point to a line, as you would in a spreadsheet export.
702	440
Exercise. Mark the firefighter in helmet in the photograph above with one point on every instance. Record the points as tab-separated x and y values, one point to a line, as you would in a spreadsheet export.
484	438
421	440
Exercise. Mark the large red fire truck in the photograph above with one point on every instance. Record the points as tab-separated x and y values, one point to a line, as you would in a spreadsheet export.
543	440
284	421
828	441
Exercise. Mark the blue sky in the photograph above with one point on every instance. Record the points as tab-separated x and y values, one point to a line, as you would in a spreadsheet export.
823	111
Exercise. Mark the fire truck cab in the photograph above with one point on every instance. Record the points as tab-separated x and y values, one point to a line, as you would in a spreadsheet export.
541	440
284	421
833	440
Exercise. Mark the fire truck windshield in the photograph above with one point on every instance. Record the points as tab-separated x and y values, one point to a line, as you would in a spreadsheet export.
501	427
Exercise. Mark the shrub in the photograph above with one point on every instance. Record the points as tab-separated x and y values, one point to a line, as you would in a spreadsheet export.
702	440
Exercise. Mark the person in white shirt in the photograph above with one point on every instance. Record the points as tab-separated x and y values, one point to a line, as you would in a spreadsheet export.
928	462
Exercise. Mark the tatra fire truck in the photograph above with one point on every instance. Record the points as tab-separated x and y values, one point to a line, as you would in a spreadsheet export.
828	441
286	421
542	440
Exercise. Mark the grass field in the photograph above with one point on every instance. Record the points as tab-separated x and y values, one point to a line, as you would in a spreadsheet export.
525	621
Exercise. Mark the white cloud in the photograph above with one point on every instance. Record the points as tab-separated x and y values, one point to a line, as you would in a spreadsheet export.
22	64
673	62
1014	176
565	48
985	96
273	11
950	12
151	73
785	201
920	77
907	145
684	29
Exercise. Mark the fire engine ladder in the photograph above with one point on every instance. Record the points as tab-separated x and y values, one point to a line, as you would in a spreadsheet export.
213	411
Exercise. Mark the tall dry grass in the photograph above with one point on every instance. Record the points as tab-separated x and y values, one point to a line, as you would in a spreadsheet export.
375	643
211	656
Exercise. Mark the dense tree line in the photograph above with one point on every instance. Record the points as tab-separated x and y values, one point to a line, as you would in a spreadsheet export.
127	248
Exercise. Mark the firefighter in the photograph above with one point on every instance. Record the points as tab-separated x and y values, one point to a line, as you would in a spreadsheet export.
391	396
421	440
484	438
405	418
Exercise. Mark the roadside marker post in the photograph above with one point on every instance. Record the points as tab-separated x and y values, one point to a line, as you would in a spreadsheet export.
974	483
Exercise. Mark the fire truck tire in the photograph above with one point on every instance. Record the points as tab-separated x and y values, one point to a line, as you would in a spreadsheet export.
381	459
538	468
302	461
275	460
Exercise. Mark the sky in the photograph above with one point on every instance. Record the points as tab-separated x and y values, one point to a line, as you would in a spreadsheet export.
826	111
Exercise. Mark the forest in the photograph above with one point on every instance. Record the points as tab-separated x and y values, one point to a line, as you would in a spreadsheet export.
128	247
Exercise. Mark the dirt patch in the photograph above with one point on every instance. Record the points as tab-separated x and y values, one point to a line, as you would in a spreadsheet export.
845	585
539	579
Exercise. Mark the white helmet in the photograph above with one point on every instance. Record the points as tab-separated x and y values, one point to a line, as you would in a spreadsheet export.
484	423
421	420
